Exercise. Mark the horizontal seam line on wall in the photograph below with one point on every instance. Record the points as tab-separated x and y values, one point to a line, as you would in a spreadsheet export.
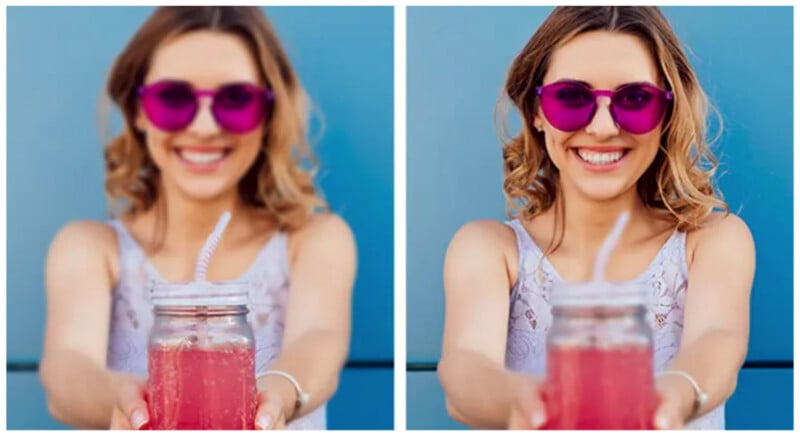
421	366
754	364
30	366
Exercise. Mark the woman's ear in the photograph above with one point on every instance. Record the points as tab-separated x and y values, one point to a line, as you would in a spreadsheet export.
537	124
140	122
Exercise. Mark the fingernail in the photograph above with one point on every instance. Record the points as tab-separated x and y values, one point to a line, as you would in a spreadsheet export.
265	422
138	419
662	422
537	419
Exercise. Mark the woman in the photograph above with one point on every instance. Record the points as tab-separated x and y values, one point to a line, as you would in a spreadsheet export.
613	121
214	121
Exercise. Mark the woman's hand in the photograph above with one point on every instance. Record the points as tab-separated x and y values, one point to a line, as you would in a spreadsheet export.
528	410
269	414
130	410
676	399
274	398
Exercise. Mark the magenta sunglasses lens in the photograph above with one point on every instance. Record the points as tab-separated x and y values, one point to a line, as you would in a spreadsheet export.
639	109
240	108
567	106
170	106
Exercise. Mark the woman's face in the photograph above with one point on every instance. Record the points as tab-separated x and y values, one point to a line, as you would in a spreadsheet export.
202	161
601	161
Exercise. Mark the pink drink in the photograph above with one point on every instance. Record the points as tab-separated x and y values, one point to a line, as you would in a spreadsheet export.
190	388
590	388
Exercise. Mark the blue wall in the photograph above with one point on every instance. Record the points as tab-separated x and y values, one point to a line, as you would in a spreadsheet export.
58	58
457	63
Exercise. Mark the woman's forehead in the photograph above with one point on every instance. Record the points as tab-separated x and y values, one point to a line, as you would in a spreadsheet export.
603	59
205	58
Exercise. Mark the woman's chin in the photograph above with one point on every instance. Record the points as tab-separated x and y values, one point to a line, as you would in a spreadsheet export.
602	191
207	190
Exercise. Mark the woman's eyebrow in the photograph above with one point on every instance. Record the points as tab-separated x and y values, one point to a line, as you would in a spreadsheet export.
581	82
577	82
641	82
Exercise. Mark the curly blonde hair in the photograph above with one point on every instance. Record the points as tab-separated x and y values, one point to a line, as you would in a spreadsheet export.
281	179
678	181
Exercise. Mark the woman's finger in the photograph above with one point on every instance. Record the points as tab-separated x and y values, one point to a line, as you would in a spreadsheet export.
132	405
668	416
529	411
119	420
269	414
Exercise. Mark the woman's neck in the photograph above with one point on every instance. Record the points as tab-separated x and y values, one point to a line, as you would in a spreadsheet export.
587	222
178	221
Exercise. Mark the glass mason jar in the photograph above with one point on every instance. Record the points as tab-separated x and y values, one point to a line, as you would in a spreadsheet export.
599	358
201	357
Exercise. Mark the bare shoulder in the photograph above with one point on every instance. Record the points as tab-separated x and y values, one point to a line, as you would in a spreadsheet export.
721	234
484	234
326	230
83	245
731	229
85	234
482	244
326	225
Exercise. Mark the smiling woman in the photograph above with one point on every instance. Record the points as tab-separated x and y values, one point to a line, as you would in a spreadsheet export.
210	89
200	111
613	125
214	122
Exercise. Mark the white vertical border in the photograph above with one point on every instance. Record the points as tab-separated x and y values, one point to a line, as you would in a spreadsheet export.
400	217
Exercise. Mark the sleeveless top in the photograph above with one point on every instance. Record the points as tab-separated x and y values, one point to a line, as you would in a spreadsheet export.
530	317
132	310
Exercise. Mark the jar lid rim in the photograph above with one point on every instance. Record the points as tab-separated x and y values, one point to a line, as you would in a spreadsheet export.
199	293
603	294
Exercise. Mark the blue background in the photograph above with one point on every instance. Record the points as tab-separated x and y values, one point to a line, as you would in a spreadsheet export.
457	64
58	60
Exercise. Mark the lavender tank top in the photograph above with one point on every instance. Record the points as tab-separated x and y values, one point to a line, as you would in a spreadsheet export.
530	317
132	315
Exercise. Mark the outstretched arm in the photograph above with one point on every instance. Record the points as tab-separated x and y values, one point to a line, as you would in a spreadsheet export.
716	320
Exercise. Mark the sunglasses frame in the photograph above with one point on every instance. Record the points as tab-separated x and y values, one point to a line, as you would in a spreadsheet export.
668	96
268	94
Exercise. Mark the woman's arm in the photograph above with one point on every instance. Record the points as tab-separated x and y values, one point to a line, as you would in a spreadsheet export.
80	390
480	392
317	334
716	319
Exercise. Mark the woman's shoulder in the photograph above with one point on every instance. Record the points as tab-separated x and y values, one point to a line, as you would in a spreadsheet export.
484	238
486	232
482	247
720	224
321	229
82	243
87	233
719	233
322	224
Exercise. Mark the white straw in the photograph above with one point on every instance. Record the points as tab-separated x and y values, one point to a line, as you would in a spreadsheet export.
210	246
609	244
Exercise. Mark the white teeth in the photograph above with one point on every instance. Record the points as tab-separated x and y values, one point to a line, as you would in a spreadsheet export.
596	158
201	157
